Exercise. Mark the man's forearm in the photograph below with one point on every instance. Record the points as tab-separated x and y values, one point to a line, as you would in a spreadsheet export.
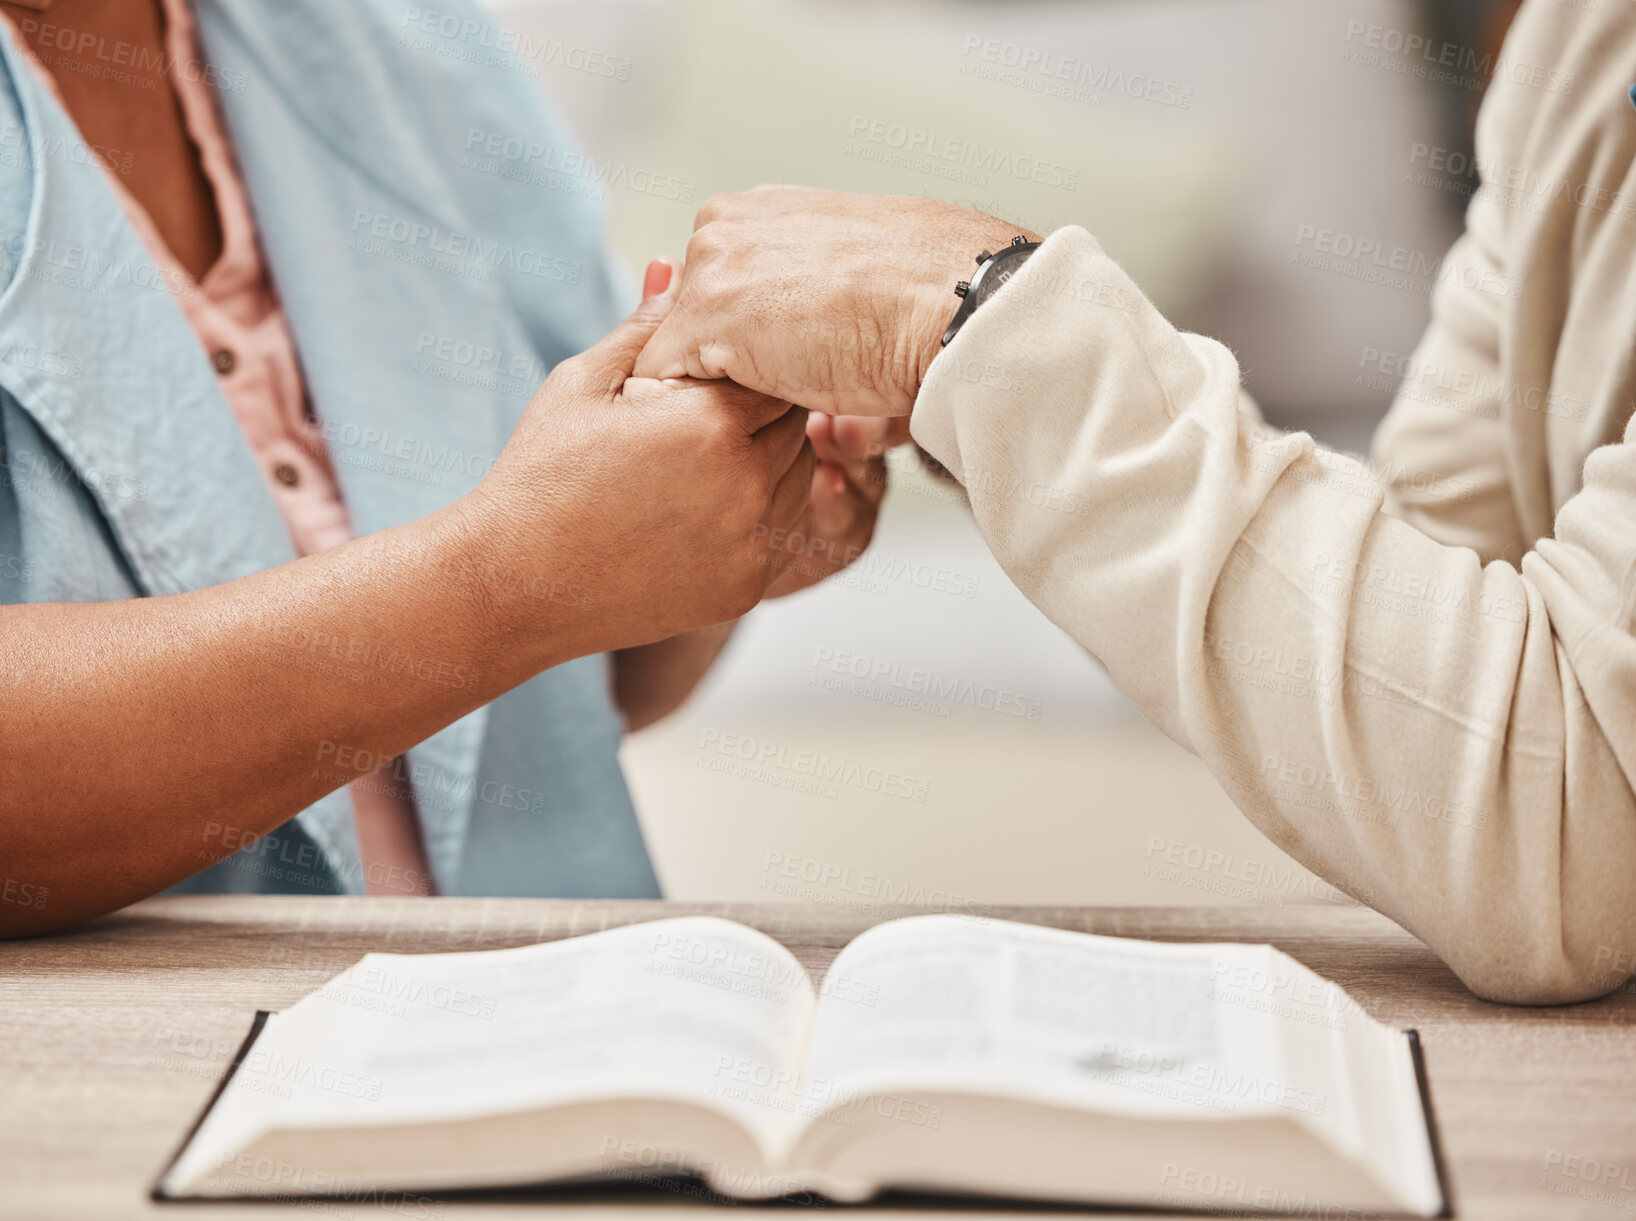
1437	738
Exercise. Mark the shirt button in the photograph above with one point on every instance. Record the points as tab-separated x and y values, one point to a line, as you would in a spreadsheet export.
224	360
286	474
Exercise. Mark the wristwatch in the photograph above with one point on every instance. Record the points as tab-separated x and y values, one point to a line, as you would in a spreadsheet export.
993	270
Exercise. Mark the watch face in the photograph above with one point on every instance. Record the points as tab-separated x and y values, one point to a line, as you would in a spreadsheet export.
1003	266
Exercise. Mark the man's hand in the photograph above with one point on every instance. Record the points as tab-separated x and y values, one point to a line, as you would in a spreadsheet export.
832	300
848	483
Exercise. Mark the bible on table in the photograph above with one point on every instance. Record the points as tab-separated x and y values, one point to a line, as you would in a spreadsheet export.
948	1054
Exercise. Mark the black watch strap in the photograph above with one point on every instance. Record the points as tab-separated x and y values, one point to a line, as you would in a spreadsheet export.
993	270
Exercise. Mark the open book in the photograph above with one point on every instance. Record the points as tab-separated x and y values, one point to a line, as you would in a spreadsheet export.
938	1053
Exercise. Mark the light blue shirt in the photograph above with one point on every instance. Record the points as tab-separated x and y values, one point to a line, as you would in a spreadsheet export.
433	266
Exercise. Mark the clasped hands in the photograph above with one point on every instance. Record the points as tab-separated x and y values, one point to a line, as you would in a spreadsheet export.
674	470
833	301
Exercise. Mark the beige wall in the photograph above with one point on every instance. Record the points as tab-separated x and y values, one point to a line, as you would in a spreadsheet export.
1204	204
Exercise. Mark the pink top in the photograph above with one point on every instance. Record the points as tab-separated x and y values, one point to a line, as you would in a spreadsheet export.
237	316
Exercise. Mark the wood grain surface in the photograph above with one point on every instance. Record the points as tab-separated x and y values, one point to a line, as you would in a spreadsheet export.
112	1037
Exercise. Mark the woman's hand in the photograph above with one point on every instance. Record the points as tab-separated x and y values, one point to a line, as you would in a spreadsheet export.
661	500
622	511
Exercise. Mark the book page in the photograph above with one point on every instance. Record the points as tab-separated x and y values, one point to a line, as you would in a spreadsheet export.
938	1006
978	1005
665	1010
1365	1095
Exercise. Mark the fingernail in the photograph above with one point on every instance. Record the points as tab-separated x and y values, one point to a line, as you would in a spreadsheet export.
657	279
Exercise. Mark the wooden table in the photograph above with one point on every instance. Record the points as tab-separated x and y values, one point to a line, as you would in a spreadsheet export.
113	1036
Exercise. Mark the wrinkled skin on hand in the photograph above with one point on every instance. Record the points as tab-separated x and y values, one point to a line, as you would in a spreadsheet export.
829	299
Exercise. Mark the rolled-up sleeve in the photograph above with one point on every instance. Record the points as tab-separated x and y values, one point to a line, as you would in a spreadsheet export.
1450	742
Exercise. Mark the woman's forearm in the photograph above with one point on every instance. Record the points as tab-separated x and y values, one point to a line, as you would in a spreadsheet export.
651	681
127	727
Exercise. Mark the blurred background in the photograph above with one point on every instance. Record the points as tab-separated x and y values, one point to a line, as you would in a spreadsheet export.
1214	147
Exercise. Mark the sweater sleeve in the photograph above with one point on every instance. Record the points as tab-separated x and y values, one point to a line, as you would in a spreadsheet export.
1450	742
1441	450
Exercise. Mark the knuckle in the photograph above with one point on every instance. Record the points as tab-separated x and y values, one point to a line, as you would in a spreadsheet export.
570	379
750	497
713	209
745	590
704	251
713	429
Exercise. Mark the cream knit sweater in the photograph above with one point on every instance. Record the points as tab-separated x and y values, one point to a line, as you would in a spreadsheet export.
1418	677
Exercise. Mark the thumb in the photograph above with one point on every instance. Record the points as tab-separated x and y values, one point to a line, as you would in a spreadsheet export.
615	356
